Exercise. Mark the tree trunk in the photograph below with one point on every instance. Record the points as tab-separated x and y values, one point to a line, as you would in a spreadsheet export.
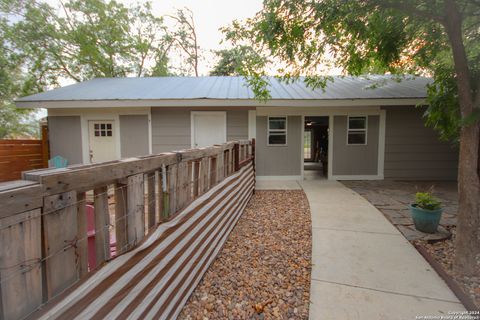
467	244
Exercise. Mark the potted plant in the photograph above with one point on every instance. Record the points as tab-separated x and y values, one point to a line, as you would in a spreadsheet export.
426	212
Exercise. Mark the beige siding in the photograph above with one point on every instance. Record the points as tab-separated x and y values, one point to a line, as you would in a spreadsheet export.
65	138
355	159
171	127
237	125
414	152
279	160
134	135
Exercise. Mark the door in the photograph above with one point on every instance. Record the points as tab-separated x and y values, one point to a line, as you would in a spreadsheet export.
101	136
307	145
208	128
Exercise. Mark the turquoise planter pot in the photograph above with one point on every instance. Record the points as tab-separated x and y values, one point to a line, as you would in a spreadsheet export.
425	220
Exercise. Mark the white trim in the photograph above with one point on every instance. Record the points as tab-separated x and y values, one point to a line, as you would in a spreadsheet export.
276	178
357	177
330	147
302	140
252	124
150	132
192	124
219	103
277	131
365	130
381	143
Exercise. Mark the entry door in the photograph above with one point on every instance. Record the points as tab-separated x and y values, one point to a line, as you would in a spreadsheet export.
208	128
102	140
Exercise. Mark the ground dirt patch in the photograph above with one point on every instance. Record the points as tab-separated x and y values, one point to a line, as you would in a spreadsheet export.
263	271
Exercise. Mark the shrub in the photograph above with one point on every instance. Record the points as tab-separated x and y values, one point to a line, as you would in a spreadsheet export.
425	200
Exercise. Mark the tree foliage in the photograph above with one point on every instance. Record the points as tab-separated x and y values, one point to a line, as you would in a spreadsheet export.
185	41
42	46
232	62
437	38
368	36
88	39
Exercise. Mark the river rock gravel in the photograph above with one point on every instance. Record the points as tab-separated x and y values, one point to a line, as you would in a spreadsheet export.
263	271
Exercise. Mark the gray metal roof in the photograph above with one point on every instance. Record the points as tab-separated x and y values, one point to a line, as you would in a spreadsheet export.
173	88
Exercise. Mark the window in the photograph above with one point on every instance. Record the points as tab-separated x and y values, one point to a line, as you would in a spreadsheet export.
357	131
103	129
277	131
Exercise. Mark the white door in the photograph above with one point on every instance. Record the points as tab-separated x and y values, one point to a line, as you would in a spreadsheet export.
208	128
101	136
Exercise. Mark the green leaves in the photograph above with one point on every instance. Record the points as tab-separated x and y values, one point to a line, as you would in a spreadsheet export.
427	201
365	37
86	39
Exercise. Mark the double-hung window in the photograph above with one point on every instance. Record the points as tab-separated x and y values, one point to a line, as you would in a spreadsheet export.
277	131
357	130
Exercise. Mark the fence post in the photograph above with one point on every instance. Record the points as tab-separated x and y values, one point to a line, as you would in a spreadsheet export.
253	154
236	157
152	203
60	240
82	235
45	146
136	209
120	217
253	164
102	222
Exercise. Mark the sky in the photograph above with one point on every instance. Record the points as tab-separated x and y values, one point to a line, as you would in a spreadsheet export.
209	16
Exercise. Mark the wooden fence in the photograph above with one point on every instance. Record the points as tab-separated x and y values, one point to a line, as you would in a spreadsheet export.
152	203
17	156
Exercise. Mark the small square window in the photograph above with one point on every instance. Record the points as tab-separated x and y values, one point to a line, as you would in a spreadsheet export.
277	123
356	123
97	133
109	133
102	126
357	130
277	138
97	126
277	131
356	138
109	126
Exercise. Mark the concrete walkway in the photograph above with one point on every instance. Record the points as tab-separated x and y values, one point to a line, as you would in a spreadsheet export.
363	268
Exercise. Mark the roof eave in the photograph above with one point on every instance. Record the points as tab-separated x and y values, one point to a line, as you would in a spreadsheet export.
65	104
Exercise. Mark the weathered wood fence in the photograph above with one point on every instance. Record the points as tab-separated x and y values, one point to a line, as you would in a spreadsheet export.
21	155
43	224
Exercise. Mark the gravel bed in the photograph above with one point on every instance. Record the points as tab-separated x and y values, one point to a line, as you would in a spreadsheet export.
263	271
444	253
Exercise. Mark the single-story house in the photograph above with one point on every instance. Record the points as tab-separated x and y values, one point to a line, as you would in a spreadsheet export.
356	128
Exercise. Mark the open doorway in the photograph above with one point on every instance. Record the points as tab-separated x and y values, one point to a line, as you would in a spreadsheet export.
315	148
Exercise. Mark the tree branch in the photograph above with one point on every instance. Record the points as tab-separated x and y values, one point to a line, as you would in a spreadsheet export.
409	9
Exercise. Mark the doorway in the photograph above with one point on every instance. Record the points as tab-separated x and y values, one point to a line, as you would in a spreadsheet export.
101	139
208	128
315	148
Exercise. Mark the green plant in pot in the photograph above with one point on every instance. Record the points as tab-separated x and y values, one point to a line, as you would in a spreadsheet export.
426	212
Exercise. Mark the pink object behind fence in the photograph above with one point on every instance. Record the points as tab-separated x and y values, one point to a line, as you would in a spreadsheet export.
92	261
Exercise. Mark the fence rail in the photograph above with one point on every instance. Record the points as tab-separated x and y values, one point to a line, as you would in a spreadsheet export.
43	218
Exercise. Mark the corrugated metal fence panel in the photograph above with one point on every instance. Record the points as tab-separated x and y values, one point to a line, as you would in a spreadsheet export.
156	279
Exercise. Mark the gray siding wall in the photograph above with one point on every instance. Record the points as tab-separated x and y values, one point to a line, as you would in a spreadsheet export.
65	138
171	127
237	124
355	159
133	135
413	151
279	160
